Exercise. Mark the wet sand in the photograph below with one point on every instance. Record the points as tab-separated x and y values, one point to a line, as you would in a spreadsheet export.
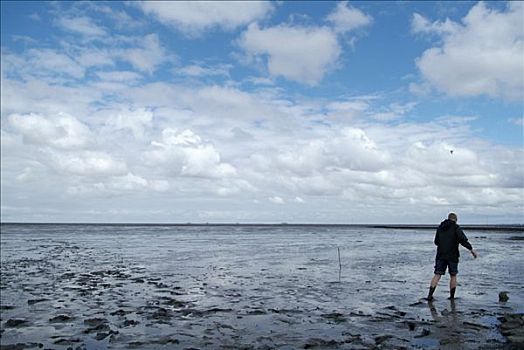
97	287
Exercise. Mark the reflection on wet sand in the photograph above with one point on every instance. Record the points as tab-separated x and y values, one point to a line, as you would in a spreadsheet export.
449	326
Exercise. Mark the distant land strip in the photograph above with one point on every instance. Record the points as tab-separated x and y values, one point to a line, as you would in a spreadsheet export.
510	227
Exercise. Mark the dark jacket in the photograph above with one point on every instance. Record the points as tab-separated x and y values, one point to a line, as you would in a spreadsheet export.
447	239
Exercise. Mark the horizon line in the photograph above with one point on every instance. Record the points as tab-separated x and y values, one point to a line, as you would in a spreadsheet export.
512	227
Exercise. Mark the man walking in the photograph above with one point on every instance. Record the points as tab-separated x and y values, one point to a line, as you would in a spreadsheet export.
447	240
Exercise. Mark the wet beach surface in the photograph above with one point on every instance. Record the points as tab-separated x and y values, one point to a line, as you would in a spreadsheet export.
229	287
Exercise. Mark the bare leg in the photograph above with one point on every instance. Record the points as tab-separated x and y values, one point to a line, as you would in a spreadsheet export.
436	279
453	282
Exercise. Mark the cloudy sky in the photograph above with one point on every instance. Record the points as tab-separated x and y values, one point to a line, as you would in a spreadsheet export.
311	112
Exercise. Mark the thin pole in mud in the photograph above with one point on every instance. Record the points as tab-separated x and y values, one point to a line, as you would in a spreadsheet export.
339	264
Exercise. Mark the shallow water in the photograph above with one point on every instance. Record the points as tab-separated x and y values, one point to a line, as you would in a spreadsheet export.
245	286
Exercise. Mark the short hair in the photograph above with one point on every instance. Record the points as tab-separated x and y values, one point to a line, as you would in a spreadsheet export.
452	216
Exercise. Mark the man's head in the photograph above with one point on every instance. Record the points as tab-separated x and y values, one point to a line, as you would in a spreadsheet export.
452	217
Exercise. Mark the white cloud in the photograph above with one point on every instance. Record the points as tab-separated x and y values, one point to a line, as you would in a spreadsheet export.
52	63
148	56
350	148
71	60
276	200
121	19
402	166
421	24
118	185
87	163
394	111
185	154
46	98
195	17
302	54
119	76
346	18
196	70
134	120
61	131
134	182
240	144
94	57
81	25
480	56
517	121
355	150
35	17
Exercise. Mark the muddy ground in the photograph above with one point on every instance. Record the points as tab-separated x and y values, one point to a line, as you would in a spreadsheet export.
97	287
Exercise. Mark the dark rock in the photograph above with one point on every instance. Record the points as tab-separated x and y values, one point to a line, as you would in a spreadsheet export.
335	316
166	340
64	341
96	325
7	307
256	312
512	327
173	302
128	323
16	322
475	325
68	275
93	322
425	332
120	312
100	328
320	343
161	314
100	336
217	309
411	326
17	346
503	297
382	338
516	238
135	344
359	314
60	318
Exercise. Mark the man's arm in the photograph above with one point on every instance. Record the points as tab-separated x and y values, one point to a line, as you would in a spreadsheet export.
463	240
436	240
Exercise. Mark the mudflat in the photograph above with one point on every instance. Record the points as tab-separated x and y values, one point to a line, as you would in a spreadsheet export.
153	287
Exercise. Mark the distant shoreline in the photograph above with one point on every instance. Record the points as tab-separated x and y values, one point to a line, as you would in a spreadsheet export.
512	228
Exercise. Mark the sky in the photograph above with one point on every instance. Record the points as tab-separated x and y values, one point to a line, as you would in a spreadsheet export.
262	112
